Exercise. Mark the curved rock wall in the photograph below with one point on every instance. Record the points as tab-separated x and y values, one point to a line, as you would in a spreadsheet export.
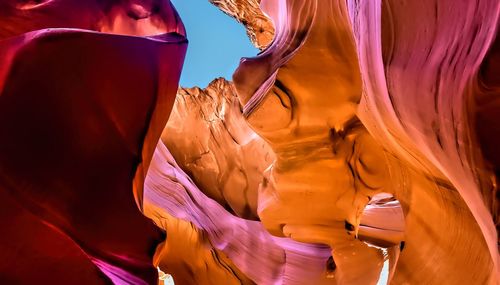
364	133
357	98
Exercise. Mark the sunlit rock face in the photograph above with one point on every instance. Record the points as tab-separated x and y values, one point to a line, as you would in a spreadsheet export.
364	132
259	27
327	165
418	103
210	139
206	244
230	245
190	191
332	63
370	110
82	106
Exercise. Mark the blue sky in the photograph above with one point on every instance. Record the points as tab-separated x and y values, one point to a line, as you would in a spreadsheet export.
216	43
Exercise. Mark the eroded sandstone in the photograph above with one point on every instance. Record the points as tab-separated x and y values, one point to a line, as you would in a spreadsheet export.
363	133
342	99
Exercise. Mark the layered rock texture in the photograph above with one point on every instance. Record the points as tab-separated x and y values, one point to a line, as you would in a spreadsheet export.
363	134
372	120
260	28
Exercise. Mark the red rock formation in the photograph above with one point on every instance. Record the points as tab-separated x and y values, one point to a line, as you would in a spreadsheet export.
210	139
361	134
327	167
125	17
80	114
418	92
343	97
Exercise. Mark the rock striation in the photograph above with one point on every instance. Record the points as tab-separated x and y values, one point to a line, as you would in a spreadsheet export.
361	141
377	153
211	141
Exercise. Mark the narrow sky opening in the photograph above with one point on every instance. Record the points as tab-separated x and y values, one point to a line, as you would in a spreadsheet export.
216	43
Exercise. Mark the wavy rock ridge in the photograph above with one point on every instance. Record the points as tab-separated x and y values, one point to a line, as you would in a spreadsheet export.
342	96
364	133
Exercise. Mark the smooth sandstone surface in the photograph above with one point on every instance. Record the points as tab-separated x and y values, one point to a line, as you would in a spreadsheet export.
364	133
80	105
343	97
